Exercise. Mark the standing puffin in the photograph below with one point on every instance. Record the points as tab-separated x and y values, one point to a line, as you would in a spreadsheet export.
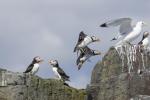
145	41
34	66
84	40
58	71
85	54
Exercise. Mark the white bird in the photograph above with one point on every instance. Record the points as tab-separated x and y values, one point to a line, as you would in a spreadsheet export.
84	40
145	40
34	66
126	30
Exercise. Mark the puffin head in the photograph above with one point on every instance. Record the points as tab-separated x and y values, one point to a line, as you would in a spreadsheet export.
37	59
146	34
96	52
53	62
94	38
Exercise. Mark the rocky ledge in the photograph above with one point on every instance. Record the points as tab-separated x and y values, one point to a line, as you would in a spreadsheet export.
123	74
17	86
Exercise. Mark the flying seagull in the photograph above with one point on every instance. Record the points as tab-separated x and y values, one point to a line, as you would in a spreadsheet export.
84	40
126	30
58	71
34	66
145	41
85	54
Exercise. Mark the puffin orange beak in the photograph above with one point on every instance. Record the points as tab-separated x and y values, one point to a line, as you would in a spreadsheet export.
50	61
98	39
41	61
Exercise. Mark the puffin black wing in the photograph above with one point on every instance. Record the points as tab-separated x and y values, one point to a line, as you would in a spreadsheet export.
64	76
82	35
141	42
29	68
85	51
80	56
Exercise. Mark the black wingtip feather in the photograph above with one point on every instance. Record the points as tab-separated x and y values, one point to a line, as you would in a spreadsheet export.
104	25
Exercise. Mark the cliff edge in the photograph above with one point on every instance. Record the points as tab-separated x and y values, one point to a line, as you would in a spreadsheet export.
123	74
17	86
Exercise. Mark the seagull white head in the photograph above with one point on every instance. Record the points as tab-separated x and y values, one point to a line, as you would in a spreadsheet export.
141	23
53	62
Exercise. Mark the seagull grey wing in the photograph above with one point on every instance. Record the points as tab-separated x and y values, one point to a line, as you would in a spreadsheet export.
125	27
62	73
29	68
116	22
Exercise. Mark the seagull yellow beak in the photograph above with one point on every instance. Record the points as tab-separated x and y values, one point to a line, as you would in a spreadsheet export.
145	24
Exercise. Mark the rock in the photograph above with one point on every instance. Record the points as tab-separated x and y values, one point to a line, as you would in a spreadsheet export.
117	76
17	86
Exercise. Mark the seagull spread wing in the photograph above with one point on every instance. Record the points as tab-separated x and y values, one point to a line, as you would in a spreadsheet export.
124	23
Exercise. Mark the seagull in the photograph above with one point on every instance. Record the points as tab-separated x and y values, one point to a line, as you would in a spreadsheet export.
84	40
126	30
34	66
58	71
145	40
85	54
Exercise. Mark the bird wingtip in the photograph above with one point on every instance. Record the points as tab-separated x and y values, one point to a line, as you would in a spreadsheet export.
103	25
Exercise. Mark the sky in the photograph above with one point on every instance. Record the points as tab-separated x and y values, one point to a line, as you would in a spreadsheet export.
50	29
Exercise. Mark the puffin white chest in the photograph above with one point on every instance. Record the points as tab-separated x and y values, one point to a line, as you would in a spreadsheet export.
87	40
56	72
35	68
145	42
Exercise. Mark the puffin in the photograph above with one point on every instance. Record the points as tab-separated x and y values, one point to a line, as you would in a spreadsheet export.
84	40
145	40
34	66
58	71
85	54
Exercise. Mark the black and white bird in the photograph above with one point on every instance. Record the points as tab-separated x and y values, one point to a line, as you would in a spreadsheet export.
145	40
84	40
85	54
34	66
126	30
60	74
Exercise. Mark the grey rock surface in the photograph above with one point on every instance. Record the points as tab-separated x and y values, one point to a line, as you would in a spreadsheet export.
112	80
18	86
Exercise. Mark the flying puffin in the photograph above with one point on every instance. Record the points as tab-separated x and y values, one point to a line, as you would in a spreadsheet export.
58	71
85	54
145	41
84	40
34	66
126	30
